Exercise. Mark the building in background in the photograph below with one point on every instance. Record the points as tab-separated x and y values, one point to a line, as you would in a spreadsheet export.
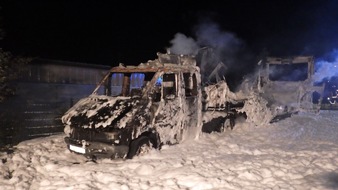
43	93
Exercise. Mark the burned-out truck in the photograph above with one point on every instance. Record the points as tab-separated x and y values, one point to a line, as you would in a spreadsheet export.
163	102
135	108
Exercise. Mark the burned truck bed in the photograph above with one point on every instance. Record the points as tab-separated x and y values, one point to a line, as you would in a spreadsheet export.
220	107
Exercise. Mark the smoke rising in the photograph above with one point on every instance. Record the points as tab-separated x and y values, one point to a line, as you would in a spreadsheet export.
227	50
181	44
225	44
210	35
327	67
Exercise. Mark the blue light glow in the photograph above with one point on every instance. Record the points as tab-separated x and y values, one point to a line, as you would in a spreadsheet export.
159	81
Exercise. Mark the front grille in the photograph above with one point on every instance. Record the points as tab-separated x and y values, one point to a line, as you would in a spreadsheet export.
94	136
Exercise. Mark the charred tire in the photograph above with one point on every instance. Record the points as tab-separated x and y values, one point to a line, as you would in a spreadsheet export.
135	147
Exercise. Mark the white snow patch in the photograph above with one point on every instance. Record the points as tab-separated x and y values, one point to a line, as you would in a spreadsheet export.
300	152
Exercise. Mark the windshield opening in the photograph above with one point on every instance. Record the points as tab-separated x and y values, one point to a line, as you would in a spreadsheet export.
127	84
288	72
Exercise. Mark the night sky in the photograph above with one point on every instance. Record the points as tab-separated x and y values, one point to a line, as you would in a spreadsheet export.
102	32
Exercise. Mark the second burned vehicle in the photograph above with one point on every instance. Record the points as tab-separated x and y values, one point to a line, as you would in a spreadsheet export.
138	107
288	86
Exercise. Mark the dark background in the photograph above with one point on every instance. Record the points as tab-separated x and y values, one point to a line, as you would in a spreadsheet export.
110	32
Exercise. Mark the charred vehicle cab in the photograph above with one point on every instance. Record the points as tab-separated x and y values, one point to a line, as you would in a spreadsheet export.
135	108
288	86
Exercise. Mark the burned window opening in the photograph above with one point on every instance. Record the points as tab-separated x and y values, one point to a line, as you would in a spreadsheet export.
288	72
169	85
190	83
127	84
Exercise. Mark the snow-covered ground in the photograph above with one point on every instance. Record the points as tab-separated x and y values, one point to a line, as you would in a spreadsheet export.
296	153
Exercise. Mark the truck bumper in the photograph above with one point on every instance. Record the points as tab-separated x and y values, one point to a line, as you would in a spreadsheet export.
96	149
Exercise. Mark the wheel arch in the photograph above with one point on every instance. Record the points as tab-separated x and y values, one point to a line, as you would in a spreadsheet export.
150	136
154	138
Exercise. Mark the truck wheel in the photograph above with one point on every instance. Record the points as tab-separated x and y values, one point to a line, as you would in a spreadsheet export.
139	146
